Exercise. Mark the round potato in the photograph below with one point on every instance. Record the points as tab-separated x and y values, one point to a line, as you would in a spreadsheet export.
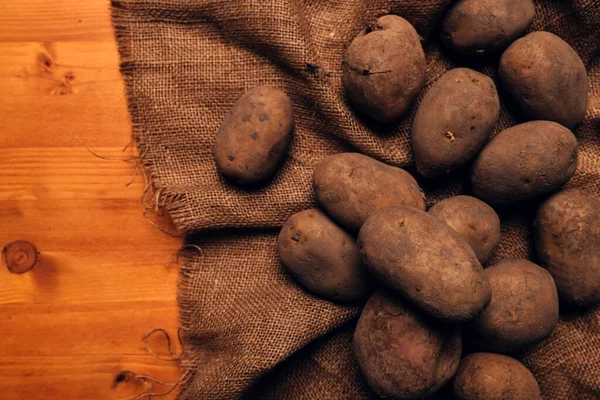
546	78
323	258
426	261
453	121
524	162
567	238
402	353
255	135
474	220
351	186
384	69
523	310
488	376
476	27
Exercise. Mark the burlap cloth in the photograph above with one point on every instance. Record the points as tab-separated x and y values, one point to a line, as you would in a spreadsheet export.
249	330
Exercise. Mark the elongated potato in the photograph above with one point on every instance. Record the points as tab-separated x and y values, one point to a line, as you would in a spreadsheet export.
454	121
425	261
524	162
351	186
474	220
402	353
323	258
567	238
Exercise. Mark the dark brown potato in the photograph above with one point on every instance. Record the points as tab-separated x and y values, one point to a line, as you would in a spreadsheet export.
426	261
351	186
475	27
488	376
525	162
323	258
454	121
546	78
255	135
474	220
384	69
523	310
402	353
567	237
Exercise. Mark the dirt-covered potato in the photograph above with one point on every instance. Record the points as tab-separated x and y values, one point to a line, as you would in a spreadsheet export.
352	186
475	27
453	121
523	310
567	238
524	162
384	69
546	78
402	353
474	220
255	135
488	376
323	258
424	260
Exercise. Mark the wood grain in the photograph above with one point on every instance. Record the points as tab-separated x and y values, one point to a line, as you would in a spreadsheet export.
105	276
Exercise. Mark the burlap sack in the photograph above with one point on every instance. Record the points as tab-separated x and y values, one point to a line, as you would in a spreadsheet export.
250	331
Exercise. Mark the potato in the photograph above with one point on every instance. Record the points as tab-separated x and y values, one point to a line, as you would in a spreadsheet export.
384	69
546	78
454	121
567	238
523	310
424	260
488	376
474	220
255	135
402	353
323	258
351	186
524	162
475	27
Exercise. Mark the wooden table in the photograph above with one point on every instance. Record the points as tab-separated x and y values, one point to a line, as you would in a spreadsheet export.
106	276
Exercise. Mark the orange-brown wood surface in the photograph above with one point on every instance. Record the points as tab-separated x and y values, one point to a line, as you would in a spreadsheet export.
105	276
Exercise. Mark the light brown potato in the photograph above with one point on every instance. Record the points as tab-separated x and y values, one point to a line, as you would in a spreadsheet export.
255	135
454	121
546	78
488	376
476	27
323	258
404	354
384	69
352	186
523	310
567	238
424	260
474	220
524	162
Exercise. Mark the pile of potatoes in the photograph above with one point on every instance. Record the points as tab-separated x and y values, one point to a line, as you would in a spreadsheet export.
432	314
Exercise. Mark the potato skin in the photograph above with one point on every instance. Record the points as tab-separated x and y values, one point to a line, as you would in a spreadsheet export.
546	78
474	27
523	310
384	69
567	238
323	258
402	353
454	121
488	376
424	260
352	186
524	162
255	135
474	220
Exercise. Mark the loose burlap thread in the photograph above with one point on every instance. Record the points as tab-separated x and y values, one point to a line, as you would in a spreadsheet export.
250	332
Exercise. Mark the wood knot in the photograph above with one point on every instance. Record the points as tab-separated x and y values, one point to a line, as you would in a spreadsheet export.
20	256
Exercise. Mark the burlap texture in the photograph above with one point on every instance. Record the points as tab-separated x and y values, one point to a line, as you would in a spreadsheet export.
250	331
